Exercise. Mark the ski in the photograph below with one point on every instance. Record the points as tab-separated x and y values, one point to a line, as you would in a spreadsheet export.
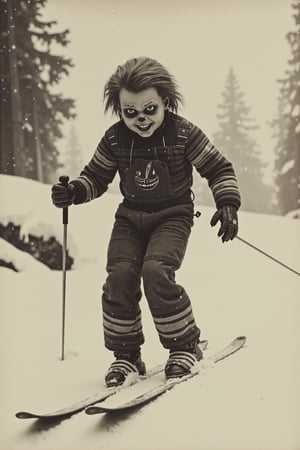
92	400
163	386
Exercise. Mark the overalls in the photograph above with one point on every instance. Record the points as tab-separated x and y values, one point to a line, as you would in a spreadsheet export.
148	245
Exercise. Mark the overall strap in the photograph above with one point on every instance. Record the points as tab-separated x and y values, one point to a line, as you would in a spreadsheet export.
113	142
112	137
182	133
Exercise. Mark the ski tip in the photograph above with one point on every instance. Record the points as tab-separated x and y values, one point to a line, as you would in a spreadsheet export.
239	341
24	415
91	410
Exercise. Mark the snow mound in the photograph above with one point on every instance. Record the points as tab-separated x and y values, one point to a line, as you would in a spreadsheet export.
293	214
21	261
28	203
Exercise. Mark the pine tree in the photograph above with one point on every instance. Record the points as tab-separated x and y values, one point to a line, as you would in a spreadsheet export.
287	126
12	161
73	163
41	110
235	141
280	126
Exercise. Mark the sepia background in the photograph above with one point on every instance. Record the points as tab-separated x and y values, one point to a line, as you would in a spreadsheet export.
226	55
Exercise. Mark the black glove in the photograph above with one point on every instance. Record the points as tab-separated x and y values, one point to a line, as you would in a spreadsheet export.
63	196
227	215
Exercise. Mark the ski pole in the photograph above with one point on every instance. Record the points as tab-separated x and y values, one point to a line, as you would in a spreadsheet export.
267	255
64	180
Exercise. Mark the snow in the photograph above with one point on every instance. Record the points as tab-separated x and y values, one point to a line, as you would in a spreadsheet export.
295	214
21	261
287	167
249	401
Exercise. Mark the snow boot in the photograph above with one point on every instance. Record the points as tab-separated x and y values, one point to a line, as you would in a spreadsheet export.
181	362
124	364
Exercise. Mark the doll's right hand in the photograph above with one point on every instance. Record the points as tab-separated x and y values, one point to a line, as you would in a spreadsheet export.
63	196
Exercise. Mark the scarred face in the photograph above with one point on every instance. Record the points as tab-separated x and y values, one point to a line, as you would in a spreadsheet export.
142	112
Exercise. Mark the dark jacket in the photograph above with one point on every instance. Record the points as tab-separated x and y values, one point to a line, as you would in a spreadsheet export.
178	145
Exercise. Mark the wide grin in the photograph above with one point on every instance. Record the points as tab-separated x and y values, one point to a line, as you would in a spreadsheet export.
144	127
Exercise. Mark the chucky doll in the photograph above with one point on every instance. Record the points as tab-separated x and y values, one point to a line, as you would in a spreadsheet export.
154	150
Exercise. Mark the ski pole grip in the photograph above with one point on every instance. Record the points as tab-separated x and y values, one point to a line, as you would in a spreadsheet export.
64	181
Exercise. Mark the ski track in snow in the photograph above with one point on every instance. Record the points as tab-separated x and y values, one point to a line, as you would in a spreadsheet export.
249	401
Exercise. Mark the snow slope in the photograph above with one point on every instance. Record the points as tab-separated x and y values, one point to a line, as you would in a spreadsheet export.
250	401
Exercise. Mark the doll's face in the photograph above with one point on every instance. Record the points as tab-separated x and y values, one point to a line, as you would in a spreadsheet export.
142	112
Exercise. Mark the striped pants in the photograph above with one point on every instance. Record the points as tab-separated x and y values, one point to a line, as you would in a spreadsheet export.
149	247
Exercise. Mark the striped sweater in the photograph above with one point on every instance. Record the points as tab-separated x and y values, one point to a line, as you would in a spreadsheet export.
178	143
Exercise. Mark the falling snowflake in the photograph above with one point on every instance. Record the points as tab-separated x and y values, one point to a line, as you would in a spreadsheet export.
287	166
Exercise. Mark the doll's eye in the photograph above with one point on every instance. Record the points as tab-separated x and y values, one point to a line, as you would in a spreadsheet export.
130	112
151	109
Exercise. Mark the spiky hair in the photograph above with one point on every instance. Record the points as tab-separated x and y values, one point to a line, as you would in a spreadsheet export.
136	75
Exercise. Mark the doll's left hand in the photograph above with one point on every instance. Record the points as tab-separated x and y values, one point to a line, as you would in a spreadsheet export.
227	215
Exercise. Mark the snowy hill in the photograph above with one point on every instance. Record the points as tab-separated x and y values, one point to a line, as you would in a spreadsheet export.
250	401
